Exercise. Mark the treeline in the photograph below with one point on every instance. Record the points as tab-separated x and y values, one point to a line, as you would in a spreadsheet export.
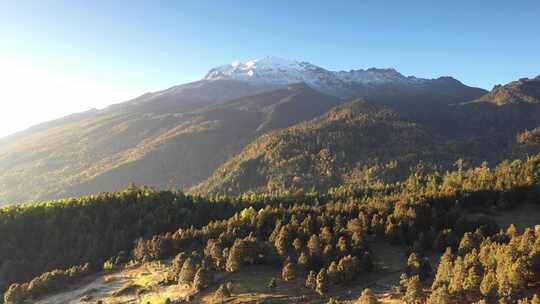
40	237
45	283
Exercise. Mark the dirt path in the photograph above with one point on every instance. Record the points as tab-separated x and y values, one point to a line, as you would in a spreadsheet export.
97	285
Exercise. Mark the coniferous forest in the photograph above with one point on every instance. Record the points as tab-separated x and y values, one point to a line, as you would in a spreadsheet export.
320	239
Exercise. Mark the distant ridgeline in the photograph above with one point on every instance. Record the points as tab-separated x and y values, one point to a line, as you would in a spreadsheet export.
322	237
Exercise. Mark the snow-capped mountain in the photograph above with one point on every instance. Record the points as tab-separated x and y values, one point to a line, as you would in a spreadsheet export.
278	71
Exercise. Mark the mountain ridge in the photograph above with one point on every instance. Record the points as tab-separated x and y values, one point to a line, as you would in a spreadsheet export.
524	90
344	84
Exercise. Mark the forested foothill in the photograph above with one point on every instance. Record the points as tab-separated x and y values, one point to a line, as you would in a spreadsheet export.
320	238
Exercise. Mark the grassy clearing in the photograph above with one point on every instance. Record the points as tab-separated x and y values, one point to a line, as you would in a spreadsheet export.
251	284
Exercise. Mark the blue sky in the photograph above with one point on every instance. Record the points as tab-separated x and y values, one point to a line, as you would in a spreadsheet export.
103	52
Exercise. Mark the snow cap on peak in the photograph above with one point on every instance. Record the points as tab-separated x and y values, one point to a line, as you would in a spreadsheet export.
279	71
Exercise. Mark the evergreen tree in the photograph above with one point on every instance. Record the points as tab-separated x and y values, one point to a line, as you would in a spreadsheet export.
233	260
413	265
511	231
367	297
203	278
347	267
333	272
311	280
288	273
314	246
188	271
222	293
297	244
466	244
304	261
403	281
440	296
322	282
177	264
445	269
489	284
458	277
472	281
413	294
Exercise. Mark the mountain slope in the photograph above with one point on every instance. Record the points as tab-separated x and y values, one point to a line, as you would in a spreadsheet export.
158	143
178	136
360	141
321	153
521	91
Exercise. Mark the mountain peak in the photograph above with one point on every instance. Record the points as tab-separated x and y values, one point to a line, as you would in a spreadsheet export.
276	70
271	70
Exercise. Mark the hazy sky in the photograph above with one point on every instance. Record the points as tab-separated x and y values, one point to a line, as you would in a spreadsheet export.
60	57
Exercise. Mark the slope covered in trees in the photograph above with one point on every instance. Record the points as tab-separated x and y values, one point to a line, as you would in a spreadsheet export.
321	152
322	238
327	243
361	141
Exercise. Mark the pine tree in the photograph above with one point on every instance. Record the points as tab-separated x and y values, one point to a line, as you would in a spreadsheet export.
188	271
176	266
304	261
342	246
403	281
517	275
511	231
222	293
233	260
334	273
367	297
283	241
488	284
413	265
348	266
458	277
311	280
326	235
467	243
440	296
445	269
472	281
322	282
314	246
413	295
203	278
297	244
288	273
